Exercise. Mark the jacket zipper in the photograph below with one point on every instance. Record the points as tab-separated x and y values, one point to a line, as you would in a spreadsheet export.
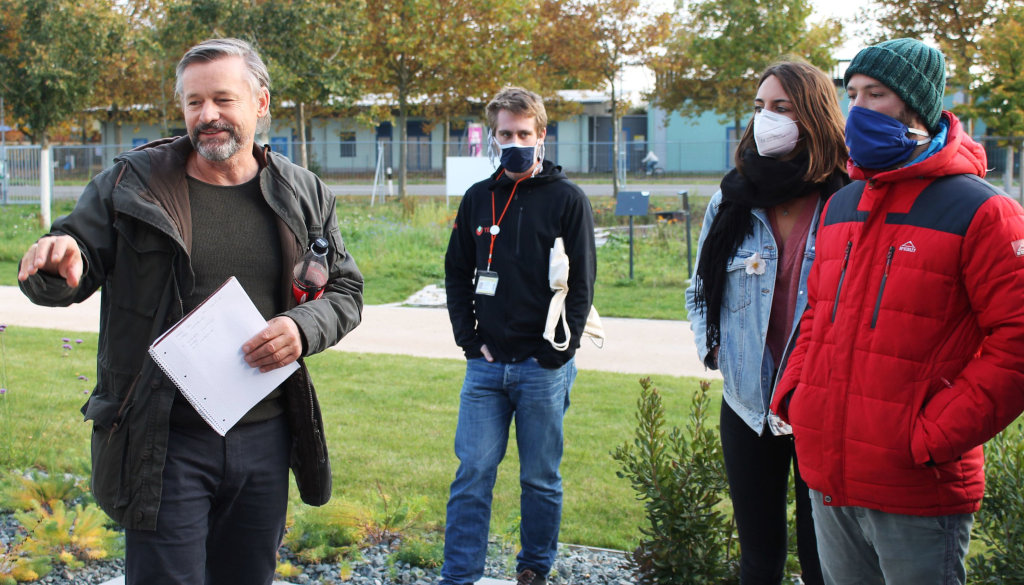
881	287
519	229
842	276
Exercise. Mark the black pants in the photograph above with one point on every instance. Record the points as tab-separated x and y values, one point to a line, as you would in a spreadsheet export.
222	509
758	470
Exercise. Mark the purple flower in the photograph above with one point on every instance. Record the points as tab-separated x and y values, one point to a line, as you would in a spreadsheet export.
78	341
67	346
3	391
65	339
83	377
2	327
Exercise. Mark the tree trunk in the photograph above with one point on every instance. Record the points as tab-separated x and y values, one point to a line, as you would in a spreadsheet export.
1008	171
615	141
300	119
117	130
1020	183
45	188
444	145
403	144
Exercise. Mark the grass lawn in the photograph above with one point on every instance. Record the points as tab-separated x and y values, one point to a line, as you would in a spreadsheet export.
390	421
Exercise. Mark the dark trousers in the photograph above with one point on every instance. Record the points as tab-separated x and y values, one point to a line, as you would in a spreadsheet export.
758	471
222	509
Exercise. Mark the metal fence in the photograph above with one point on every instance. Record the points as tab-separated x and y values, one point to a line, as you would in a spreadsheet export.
355	161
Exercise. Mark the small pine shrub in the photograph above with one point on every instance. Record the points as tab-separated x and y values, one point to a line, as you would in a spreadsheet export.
394	517
999	524
287	570
418	552
327	534
69	536
17	566
680	478
21	491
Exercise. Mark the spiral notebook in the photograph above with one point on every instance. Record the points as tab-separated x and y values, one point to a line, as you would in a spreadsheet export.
203	355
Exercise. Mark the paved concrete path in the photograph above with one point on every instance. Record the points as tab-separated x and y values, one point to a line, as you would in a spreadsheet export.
633	346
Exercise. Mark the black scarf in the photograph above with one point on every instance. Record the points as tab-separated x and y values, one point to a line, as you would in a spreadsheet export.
765	182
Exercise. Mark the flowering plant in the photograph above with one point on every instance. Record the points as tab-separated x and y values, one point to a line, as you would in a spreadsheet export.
754	264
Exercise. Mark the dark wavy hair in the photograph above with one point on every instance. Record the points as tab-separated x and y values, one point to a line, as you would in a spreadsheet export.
816	105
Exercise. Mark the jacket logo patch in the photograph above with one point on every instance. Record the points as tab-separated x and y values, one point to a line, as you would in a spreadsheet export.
479	230
908	247
1018	247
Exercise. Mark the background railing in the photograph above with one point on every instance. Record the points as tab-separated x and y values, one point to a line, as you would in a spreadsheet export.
355	161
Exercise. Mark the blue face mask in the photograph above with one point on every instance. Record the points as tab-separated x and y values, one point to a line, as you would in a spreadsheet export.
877	141
517	159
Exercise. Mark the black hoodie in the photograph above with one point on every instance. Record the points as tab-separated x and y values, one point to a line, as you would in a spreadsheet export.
512	321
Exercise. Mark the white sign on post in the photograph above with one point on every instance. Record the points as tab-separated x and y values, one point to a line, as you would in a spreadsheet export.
464	171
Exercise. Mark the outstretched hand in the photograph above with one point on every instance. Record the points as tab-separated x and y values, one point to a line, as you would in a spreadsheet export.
55	255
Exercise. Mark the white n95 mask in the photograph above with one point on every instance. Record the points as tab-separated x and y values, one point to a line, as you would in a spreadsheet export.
774	134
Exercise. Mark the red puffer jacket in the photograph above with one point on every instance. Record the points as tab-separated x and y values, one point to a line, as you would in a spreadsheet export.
911	354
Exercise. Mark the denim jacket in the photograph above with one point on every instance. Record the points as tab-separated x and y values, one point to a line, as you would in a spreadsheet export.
744	359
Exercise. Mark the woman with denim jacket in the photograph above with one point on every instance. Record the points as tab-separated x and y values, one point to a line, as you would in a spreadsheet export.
747	294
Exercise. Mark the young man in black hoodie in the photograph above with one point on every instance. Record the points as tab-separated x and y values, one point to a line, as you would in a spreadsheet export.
496	276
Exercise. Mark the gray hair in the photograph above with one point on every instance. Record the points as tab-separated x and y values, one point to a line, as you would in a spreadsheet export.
213	49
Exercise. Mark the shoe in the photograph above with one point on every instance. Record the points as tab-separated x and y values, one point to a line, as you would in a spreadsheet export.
528	577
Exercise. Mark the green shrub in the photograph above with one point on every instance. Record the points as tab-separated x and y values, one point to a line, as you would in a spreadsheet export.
393	518
418	552
16	565
680	478
21	491
69	536
999	525
327	534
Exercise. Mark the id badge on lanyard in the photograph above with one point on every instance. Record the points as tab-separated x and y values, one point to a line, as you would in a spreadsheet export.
486	282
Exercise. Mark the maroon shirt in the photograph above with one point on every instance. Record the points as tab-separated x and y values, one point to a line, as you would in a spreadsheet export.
787	277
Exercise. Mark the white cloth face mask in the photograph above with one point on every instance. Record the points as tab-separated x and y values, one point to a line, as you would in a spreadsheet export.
774	134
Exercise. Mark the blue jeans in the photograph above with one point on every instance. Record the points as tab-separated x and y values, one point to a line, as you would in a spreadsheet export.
492	394
859	546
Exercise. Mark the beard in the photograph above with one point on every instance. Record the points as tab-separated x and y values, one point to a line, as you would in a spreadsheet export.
216	151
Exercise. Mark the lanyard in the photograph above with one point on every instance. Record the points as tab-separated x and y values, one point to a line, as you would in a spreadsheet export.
496	223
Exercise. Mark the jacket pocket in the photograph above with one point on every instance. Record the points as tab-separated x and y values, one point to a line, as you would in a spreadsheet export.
310	462
142	266
737	288
881	286
108	408
110	466
842	277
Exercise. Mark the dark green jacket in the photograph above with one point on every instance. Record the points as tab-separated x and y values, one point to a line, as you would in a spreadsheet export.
133	227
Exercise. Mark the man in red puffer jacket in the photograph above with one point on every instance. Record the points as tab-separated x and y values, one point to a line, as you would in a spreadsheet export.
911	353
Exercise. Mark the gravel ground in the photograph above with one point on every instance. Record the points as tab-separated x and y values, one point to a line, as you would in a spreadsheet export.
573	566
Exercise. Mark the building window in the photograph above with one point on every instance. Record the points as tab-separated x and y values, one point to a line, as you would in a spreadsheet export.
348	144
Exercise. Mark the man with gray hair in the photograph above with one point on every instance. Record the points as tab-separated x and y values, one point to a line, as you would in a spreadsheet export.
158	232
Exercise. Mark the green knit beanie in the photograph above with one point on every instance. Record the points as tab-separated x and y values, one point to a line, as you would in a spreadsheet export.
915	71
